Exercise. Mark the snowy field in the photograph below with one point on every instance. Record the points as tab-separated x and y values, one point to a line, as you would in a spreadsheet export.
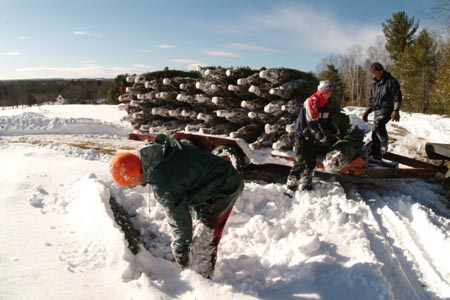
380	240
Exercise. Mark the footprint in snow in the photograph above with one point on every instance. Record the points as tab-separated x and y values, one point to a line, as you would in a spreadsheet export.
37	199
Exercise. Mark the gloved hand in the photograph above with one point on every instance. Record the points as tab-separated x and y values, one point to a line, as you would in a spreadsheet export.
328	139
182	259
395	116
332	139
365	116
337	133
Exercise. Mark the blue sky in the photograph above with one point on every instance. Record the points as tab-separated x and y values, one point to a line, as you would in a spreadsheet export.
73	39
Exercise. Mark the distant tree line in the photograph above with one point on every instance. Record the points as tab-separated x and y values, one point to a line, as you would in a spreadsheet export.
31	92
419	60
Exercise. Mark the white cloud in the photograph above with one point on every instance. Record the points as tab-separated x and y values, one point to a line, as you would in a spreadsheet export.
12	53
166	46
139	66
80	33
83	71
251	47
21	38
314	29
221	53
184	61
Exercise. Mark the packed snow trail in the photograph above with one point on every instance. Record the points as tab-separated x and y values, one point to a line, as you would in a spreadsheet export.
413	234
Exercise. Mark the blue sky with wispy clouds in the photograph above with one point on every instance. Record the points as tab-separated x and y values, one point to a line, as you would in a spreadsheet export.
73	39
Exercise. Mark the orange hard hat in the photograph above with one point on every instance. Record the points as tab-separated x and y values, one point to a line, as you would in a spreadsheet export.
125	167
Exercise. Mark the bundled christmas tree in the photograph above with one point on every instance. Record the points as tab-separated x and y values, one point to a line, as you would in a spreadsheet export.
258	106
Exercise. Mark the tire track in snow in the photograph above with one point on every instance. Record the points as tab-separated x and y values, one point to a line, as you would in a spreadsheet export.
397	246
393	231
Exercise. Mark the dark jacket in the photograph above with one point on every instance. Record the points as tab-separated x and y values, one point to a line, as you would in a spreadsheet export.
190	178
314	121
383	94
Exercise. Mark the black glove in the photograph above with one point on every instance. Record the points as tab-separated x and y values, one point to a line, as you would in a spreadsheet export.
328	139
338	133
365	116
182	259
332	139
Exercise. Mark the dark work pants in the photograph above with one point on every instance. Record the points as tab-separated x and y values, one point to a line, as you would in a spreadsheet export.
306	152
379	133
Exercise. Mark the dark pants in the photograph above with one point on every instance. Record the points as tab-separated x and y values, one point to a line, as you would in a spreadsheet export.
306	151
379	133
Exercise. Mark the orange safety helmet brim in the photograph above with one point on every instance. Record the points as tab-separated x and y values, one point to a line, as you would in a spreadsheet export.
125	167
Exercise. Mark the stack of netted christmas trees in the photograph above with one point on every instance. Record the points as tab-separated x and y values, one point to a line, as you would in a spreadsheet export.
259	106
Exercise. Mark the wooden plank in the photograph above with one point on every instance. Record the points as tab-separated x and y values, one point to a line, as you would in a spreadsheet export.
401	173
407	161
141	137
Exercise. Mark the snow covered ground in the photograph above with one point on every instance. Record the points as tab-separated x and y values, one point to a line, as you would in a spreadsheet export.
377	240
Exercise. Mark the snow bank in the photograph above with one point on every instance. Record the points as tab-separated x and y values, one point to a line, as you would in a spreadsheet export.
34	123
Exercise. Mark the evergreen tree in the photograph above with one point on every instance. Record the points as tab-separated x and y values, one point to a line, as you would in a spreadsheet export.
399	33
332	74
117	88
420	68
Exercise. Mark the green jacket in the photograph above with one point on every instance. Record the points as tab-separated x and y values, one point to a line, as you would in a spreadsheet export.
186	177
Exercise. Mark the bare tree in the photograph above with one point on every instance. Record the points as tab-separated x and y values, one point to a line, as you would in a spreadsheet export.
378	53
351	72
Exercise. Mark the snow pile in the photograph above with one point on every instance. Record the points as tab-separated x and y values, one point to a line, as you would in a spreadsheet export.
374	240
35	123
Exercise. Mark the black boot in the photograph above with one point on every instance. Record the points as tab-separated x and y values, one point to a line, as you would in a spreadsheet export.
305	183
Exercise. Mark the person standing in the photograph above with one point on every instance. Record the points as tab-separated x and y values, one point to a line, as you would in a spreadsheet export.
385	98
315	134
196	188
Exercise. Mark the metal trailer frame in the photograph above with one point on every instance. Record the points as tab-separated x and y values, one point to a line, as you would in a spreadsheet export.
392	165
